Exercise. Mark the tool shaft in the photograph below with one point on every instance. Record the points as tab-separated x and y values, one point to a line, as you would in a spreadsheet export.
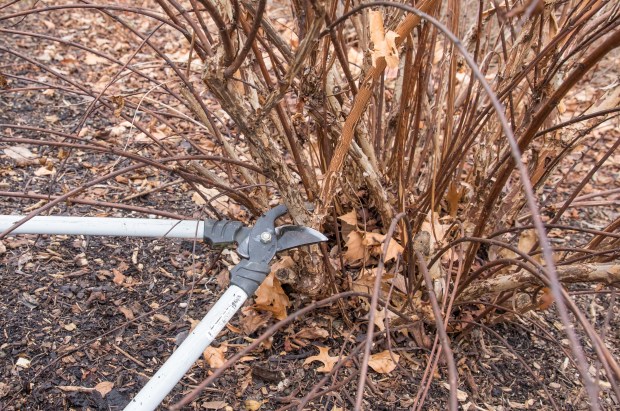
189	351
105	226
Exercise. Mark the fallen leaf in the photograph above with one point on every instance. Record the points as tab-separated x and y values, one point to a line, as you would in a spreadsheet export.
119	277
104	387
252	405
527	240
119	103
460	395
380	318
192	323
214	405
312	333
324	357
4	389
93	59
214	356
361	244
51	119
349	218
20	154
218	200
70	327
161	318
118	131
271	297
126	312
45	171
365	282
374	241
383	362
355	248
252	320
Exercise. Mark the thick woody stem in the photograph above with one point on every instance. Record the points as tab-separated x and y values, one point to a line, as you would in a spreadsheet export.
577	273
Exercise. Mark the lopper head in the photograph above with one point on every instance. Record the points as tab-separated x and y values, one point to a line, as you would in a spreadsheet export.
259	244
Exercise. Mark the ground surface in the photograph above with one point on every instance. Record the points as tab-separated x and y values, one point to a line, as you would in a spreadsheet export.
86	321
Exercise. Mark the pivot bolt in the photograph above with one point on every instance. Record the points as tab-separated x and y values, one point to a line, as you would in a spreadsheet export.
265	237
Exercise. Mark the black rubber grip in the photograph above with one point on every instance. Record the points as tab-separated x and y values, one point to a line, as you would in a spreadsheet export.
249	275
219	232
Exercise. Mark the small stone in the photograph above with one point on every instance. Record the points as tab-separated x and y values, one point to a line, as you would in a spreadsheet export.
555	385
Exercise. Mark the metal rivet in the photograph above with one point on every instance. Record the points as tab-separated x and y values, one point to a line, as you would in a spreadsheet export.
265	237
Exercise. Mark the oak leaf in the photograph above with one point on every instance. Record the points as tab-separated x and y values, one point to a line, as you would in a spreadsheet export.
325	358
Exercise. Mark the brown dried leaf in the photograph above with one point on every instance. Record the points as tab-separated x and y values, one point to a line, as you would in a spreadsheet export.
312	333
365	282
325	358
271	297
44	171
4	389
372	239
527	240
355	248
70	327
104	387
119	277
214	405
253	320
349	218
161	318
252	405
375	242
20	154
93	59
460	395
383	362
126	312
380	316
214	356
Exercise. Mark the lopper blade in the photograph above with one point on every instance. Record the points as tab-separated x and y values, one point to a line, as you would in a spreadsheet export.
291	236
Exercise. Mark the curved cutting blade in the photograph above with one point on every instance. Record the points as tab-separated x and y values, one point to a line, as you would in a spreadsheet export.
291	236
